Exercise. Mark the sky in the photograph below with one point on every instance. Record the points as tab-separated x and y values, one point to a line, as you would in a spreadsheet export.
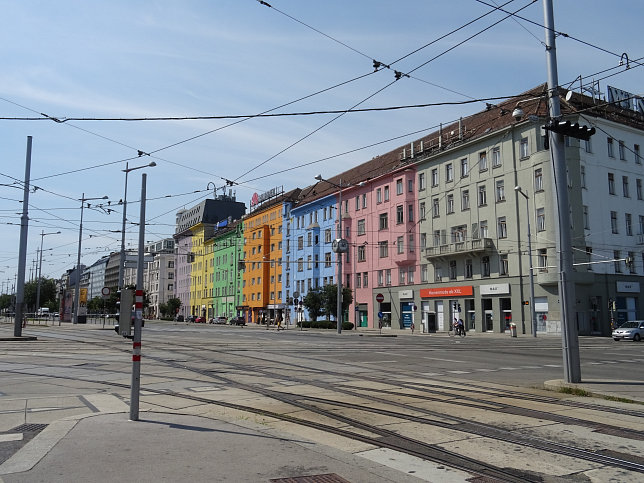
110	62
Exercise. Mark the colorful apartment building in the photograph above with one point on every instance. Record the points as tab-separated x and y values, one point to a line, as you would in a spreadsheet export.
227	281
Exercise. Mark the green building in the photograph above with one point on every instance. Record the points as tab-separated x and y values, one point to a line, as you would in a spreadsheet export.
227	280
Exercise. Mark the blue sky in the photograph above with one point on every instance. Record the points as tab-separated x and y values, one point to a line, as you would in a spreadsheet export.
124	59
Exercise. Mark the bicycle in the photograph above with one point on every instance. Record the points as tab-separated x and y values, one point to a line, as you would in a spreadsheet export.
455	330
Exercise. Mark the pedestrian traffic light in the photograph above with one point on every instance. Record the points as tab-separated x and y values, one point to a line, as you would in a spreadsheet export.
567	128
124	304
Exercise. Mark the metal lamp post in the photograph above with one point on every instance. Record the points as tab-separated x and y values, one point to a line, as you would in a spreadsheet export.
533	313
339	253
42	236
80	241
122	255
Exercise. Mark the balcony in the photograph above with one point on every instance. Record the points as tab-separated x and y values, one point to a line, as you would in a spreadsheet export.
473	247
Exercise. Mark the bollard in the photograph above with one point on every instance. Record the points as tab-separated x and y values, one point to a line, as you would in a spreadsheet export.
513	329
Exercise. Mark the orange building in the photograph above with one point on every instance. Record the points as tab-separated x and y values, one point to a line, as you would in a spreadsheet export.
262	255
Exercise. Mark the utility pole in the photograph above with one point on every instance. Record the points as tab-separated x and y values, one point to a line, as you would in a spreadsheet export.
569	339
22	254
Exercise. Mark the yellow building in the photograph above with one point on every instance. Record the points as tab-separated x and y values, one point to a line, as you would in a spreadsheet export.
201	270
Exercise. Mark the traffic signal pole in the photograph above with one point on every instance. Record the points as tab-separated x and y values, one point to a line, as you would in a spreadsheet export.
569	339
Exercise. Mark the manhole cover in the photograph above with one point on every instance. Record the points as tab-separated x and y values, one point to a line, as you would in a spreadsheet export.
326	478
29	427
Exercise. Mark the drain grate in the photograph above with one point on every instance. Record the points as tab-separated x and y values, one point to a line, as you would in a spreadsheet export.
23	428
326	478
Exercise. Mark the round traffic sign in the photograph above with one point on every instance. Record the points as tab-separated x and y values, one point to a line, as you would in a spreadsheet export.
380	298
105	291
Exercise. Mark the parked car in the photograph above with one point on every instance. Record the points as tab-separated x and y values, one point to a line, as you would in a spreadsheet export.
191	318
200	320
179	318
237	321
633	330
219	320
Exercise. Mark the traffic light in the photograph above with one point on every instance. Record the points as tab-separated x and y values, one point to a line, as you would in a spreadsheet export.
124	303
567	128
526	302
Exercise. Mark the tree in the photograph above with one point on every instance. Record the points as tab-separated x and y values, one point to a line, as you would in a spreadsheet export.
330	299
47	293
173	306
163	309
5	301
313	303
96	305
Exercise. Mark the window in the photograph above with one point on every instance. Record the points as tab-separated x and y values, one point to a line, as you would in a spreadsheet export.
502	227
524	150
628	219
636	150
410	243
641	231
485	266
452	270
386	193
538	179
410	274
399	186
358	280
483	229
410	212
388	276
625	187
435	177
423	241
381	278
327	235
611	183
613	222
500	191
378	195
618	264
365	279
541	219
437	238
384	224
589	146
362	253
449	172
361	227
586	218
450	203
609	143
638	188
496	157
436	208
423	273
400	215
542	259
465	200
400	244
469	271
383	250
438	273
622	150
300	266
364	200
582	175
327	260
309	264
402	271
410	185
421	182
482	161
309	239
630	262
422	211
464	170
503	264
482	196
357	203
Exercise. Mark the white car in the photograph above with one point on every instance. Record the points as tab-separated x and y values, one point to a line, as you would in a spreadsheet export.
633	329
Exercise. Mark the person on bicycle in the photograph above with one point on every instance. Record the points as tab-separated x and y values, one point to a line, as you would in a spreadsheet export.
460	327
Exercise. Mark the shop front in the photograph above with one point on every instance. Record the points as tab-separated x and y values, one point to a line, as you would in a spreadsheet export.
440	307
497	307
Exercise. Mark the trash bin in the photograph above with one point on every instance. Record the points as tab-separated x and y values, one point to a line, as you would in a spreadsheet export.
513	329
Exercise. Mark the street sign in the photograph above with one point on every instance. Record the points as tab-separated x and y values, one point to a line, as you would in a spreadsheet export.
105	291
380	298
380	315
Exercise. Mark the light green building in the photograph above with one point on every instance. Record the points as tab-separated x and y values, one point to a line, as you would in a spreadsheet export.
227	279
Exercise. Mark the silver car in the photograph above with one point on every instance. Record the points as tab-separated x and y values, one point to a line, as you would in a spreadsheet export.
633	329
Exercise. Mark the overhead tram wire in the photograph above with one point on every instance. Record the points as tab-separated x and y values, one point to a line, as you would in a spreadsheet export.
556	32
396	79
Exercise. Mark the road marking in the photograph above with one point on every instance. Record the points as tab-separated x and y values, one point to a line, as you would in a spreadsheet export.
459	372
486	370
552	365
10	437
439	359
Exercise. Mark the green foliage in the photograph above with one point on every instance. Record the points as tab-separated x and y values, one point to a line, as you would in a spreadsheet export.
313	302
5	301
48	293
324	324
173	306
330	299
95	305
163	310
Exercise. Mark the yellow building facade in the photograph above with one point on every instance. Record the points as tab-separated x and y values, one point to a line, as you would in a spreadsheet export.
201	272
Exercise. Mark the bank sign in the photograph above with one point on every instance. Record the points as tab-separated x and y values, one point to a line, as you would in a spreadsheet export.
464	291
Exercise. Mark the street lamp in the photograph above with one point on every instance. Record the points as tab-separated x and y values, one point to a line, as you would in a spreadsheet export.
532	308
80	240
122	255
42	236
340	246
